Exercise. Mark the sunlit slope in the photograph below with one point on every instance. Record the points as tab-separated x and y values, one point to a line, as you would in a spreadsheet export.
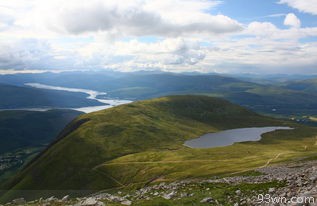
97	149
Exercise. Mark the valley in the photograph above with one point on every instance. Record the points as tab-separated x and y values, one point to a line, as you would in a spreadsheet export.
11	162
24	134
21	97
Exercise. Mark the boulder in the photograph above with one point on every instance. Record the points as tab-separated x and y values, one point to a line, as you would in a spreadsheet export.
126	202
207	200
19	201
91	202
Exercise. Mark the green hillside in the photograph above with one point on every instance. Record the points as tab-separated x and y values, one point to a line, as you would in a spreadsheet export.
142	142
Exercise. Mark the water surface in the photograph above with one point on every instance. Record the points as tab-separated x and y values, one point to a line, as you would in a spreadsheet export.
108	103
228	137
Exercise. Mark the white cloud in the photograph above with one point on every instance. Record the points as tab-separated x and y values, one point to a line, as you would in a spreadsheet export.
134	55
307	6
267	30
20	53
32	54
292	20
170	35
123	18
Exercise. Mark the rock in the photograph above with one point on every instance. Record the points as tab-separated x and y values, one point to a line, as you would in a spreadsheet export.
51	199
114	198
271	190
19	201
182	195
126	202
238	192
313	178
207	200
169	195
236	204
91	202
65	198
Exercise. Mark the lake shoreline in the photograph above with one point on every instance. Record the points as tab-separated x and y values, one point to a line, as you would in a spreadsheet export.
106	103
229	137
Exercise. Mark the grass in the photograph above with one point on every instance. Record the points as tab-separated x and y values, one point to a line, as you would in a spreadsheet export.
142	143
195	163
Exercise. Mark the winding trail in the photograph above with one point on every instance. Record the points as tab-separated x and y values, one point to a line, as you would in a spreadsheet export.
159	162
179	161
270	160
121	185
108	176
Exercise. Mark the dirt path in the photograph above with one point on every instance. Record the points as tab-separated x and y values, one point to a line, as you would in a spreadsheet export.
270	160
162	162
108	176
185	161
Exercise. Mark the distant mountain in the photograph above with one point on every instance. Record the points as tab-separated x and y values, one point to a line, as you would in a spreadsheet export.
141	142
272	98
24	97
272	79
308	85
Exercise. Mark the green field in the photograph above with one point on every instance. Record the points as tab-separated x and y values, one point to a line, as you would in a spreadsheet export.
142	143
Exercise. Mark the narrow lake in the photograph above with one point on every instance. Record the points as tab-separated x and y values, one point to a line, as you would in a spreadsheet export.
228	137
108	103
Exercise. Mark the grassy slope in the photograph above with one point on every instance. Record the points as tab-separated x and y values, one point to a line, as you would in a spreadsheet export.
97	154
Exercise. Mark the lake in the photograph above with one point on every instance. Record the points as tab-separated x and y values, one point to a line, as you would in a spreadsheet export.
108	103
229	137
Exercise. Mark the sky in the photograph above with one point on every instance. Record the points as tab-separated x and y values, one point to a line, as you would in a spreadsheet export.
223	36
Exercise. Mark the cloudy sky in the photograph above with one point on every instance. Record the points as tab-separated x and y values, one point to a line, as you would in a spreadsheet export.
225	36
